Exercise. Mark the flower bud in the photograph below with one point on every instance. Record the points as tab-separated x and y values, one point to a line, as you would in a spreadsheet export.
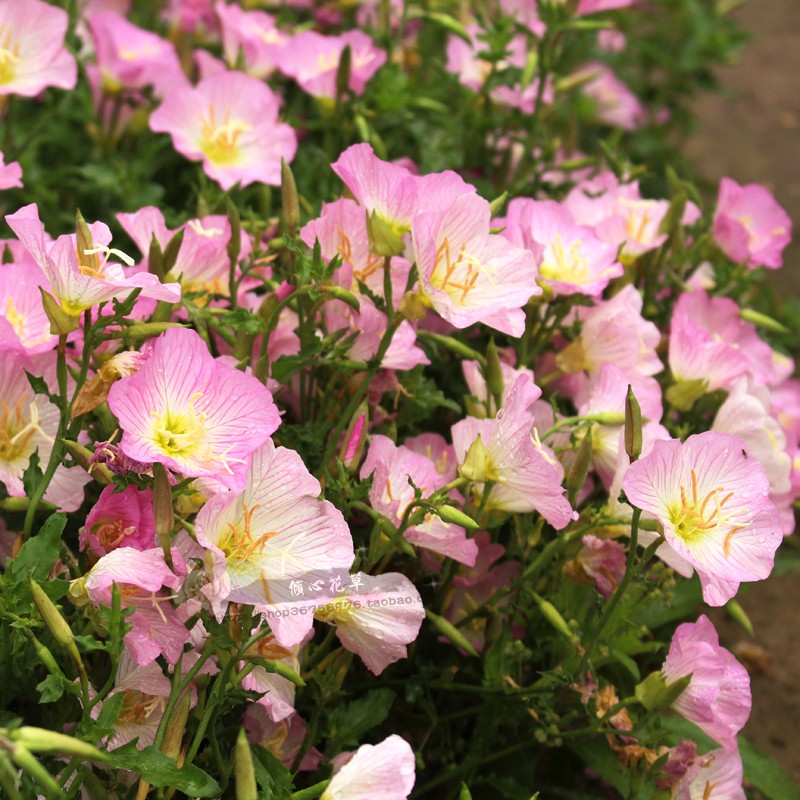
338	293
172	250
355	437
343	72
162	508
44	741
455	516
55	623
413	307
155	259
757	318
576	476
633	426
494	373
176	727
385	239
83	457
143	330
25	760
553	615
450	632
290	201
246	787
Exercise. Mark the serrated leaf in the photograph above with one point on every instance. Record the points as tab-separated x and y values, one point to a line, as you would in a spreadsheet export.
163	772
349	723
273	778
38	384
51	688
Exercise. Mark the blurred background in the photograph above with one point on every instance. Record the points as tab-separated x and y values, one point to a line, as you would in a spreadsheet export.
751	132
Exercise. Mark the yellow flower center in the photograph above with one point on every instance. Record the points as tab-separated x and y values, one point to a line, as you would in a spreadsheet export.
110	532
17	432
138	707
16	319
565	266
457	275
9	55
697	516
238	542
220	141
180	434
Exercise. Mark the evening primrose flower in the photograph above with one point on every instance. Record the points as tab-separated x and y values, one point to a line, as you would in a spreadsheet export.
272	540
32	52
193	414
750	226
468	274
10	174
717	698
82	280
229	121
712	499
384	771
21	306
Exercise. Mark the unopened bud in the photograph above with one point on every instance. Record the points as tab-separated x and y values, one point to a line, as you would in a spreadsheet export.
40	740
234	247
143	330
172	250
576	476
61	323
162	508
494	373
26	761
451	633
762	320
55	622
83	457
413	307
455	516
155	259
339	293
477	464
290	201
355	438
343	72
176	727
633	426
246	787
553	615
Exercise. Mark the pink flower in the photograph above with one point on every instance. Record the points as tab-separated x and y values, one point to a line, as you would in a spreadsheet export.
21	305
120	519
268	542
146	584
192	413
255	34
391	493
229	122
376	617
712	499
602	561
506	451
598	6
468	274
313	61
750	226
82	280
718	698
283	739
32	52
714	776
616	104
711	344
571	259
10	174
130	57
384	771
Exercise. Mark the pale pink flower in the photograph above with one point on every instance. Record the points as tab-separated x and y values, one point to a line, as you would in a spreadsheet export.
32	52
147	585
718	697
507	452
598	6
710	343
120	519
750	226
712	500
571	259
192	16
476	383
746	413
313	61
391	493
82	280
268	543
255	35
130	57
21	306
203	263
468	274
29	422
10	174
600	560
614	332
385	190
616	104
229	122
435	447
375	617
385	771
195	415
717	775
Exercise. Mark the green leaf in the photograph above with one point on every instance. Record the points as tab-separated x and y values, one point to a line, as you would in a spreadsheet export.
38	384
600	758
51	688
39	553
766	774
162	772
348	723
106	722
273	778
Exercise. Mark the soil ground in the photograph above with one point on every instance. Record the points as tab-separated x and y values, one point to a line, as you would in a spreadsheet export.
752	135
